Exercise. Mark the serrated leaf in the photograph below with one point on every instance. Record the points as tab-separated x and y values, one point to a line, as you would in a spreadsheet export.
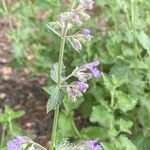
144	40
107	82
101	115
141	141
54	72
111	82
140	65
121	143
144	112
125	102
120	71
126	143
94	133
57	95
124	125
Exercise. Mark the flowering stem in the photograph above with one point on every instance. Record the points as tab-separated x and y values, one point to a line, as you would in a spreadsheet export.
66	78
60	64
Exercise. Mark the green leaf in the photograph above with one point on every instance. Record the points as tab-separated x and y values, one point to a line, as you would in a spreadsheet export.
111	82
121	143
144	112
144	40
54	72
101	115
124	125
139	65
107	82
125	102
94	133
65	125
9	114
126	143
57	95
141	141
120	71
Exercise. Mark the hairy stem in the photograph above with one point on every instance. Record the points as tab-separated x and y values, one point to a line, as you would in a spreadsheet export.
66	78
60	64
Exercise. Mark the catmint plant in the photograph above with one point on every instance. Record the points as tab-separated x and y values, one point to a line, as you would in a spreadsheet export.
63	27
66	21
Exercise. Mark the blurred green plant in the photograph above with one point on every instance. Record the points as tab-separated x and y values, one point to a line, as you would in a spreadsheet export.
9	127
118	104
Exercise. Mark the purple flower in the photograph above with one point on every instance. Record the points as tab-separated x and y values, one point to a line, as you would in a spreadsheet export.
93	145
87	4
17	142
87	71
87	33
75	18
82	86
64	16
93	68
76	88
76	44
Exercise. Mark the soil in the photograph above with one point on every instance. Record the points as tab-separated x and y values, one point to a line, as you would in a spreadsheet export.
23	93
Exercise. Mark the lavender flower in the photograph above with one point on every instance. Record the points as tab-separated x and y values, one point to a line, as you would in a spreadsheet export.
93	68
75	18
17	142
87	4
82	86
87	71
87	33
75	44
93	145
64	16
76	88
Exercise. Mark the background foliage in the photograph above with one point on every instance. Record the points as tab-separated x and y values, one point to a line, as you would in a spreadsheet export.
116	106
